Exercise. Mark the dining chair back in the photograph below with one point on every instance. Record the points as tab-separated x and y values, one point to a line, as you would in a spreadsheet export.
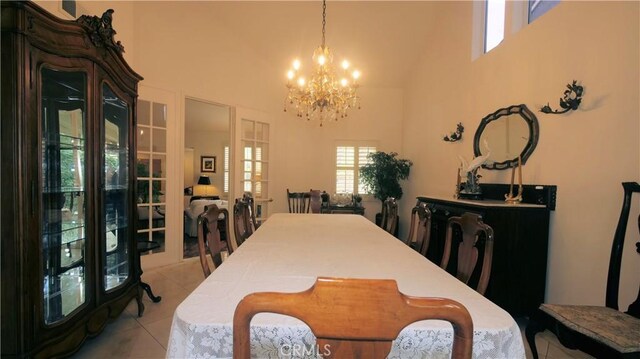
209	240
298	201
471	226
389	220
248	198
420	228
353	318
242	226
315	201
601	331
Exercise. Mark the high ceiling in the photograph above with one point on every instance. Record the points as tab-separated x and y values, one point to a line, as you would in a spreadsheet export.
383	39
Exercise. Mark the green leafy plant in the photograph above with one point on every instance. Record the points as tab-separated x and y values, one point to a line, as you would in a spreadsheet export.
382	176
143	186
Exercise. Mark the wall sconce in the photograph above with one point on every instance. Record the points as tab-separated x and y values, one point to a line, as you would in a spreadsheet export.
456	136
570	101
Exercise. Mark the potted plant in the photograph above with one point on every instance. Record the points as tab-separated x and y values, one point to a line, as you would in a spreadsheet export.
382	175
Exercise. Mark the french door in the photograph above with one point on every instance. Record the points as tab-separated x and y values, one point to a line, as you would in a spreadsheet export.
251	158
158	217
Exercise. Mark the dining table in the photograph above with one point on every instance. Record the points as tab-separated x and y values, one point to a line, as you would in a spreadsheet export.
289	251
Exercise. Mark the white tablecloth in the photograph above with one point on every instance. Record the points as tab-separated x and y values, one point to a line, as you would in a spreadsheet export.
289	251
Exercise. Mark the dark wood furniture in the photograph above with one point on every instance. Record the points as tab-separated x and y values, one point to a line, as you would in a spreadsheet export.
242	223
420	229
601	331
353	318
521	234
315	202
389	220
476	246
342	209
209	238
298	201
143	247
69	253
248	198
193	198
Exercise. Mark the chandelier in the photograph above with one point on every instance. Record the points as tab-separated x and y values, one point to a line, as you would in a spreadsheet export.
328	94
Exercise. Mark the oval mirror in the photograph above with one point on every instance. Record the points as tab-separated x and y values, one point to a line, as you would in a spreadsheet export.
509	132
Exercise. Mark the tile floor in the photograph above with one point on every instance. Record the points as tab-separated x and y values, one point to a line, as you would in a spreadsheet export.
147	337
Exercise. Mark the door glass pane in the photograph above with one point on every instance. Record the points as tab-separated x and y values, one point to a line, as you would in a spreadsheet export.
159	115
159	165
144	113
248	131
116	189
144	138
64	229
262	131
152	173
262	151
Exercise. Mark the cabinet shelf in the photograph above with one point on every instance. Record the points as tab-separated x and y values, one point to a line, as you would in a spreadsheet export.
60	190
62	227
68	288
115	149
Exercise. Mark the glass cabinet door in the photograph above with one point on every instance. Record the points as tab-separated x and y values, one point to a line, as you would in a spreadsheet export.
116	189
63	171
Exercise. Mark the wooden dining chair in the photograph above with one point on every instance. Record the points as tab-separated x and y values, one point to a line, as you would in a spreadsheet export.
389	220
248	198
298	201
209	240
420	228
315	201
353	318
601	331
242	225
471	226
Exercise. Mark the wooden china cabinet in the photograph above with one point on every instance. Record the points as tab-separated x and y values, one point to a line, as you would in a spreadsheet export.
69	260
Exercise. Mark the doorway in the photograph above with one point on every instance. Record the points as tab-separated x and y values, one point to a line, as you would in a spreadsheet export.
207	139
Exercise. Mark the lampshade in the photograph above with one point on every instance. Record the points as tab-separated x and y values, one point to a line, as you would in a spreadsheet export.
205	180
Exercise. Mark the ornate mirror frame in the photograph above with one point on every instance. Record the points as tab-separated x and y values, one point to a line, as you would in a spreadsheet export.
534	132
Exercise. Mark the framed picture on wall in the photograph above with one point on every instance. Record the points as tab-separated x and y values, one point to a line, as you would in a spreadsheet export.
208	164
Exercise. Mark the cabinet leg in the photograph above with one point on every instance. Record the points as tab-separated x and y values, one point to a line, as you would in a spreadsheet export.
139	301
147	288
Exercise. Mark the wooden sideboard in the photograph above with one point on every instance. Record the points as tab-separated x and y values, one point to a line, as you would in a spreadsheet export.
342	209
521	233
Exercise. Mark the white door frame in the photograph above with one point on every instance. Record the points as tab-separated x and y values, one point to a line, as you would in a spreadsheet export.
173	197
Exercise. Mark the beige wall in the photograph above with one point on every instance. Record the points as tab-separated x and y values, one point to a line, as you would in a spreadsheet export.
587	153
208	144
198	56
305	152
123	18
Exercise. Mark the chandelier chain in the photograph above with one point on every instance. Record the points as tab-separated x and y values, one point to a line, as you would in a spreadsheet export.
324	19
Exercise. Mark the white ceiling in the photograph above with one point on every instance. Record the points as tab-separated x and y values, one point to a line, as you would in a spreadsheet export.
383	39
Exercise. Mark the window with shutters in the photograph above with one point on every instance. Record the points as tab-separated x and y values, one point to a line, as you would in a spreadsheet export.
349	159
226	169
